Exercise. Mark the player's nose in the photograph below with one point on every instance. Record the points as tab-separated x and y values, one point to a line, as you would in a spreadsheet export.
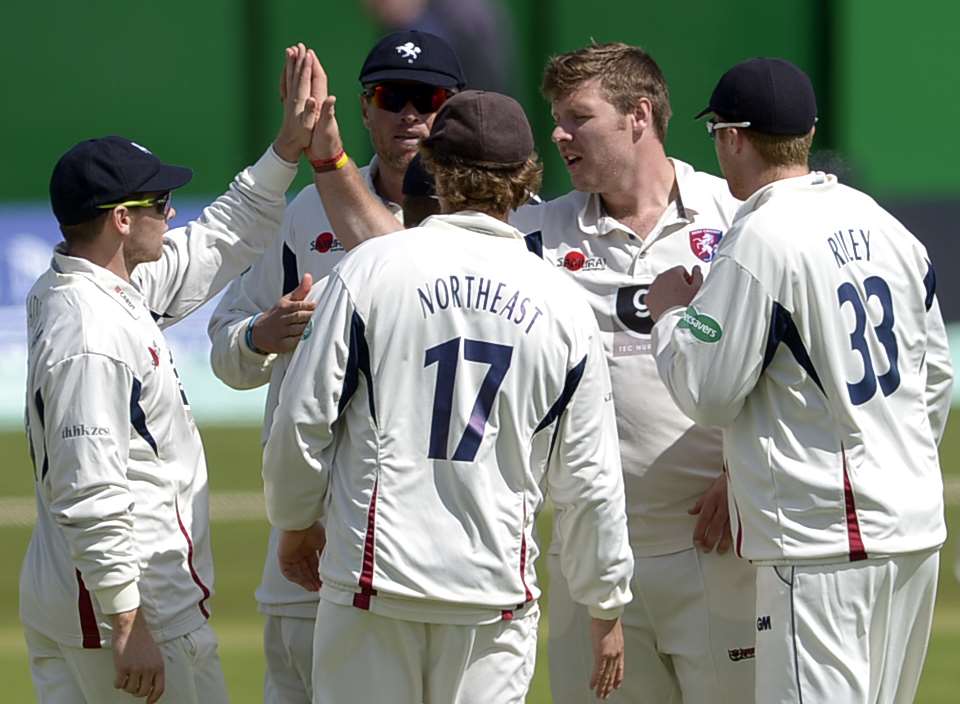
560	135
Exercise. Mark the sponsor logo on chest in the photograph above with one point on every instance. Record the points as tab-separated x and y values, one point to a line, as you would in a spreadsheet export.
325	242
122	295
575	260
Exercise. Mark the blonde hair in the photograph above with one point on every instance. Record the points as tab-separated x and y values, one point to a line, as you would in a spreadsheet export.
627	74
781	150
489	189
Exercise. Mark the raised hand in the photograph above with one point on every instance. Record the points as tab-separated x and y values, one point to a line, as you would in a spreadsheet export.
300	108
673	287
326	141
279	329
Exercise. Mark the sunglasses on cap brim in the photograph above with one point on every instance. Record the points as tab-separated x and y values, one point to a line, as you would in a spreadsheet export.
393	97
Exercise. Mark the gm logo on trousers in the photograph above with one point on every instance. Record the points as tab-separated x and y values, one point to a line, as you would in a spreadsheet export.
763	623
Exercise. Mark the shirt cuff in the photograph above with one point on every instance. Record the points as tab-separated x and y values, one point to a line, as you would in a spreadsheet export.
273	172
116	600
292	164
605	614
245	334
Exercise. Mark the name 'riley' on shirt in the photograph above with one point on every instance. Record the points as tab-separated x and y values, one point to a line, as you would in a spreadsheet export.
849	245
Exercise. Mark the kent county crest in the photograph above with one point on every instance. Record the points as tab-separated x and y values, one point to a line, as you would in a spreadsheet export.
704	243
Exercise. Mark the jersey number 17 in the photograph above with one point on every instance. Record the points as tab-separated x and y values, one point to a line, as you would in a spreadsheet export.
447	358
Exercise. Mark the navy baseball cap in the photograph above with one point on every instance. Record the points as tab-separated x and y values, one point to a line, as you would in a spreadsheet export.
773	95
413	56
107	170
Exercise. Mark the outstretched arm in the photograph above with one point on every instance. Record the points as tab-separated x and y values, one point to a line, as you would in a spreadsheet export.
355	213
198	260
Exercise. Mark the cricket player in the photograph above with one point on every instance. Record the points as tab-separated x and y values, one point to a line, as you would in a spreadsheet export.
817	344
116	583
635	213
432	402
263	314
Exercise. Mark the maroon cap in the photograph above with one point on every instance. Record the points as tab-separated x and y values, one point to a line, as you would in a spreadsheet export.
483	128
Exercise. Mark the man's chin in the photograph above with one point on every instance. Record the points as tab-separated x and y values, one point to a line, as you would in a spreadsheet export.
399	159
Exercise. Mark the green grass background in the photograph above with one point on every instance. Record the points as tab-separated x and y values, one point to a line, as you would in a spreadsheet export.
233	456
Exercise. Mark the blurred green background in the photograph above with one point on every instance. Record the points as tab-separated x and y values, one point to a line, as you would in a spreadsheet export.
197	81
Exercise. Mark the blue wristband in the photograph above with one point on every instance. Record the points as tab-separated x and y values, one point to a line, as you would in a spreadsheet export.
248	336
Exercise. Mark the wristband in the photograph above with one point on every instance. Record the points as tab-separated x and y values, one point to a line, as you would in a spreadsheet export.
248	337
335	162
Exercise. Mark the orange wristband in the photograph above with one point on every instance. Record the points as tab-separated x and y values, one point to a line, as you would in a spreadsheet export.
332	164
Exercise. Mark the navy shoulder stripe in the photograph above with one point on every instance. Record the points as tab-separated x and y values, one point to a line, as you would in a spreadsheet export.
570	386
358	362
291	278
534	242
138	419
930	284
783	329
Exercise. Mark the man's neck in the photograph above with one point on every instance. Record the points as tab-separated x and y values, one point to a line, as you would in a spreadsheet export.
646	190
388	182
769	174
108	258
645	187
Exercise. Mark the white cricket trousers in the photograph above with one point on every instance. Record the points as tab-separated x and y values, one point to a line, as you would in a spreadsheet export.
66	675
688	633
288	650
849	633
362	657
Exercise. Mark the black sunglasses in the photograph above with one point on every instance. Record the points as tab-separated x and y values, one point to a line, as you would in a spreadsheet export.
393	97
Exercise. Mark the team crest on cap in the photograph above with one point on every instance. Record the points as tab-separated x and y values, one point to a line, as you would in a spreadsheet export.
704	243
409	51
141	148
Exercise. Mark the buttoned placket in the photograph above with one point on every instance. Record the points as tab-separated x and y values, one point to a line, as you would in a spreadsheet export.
674	217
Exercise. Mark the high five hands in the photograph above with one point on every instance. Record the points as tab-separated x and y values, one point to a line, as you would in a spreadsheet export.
303	93
308	108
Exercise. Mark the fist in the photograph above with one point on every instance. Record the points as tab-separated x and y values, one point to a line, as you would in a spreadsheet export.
674	287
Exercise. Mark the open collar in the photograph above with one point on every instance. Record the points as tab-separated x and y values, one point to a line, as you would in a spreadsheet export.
123	292
594	221
373	168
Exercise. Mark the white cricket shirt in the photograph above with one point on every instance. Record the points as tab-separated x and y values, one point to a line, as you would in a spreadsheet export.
121	483
668	461
448	376
817	344
307	244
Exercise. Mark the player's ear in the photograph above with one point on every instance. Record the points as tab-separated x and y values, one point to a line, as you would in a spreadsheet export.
642	117
364	109
122	220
